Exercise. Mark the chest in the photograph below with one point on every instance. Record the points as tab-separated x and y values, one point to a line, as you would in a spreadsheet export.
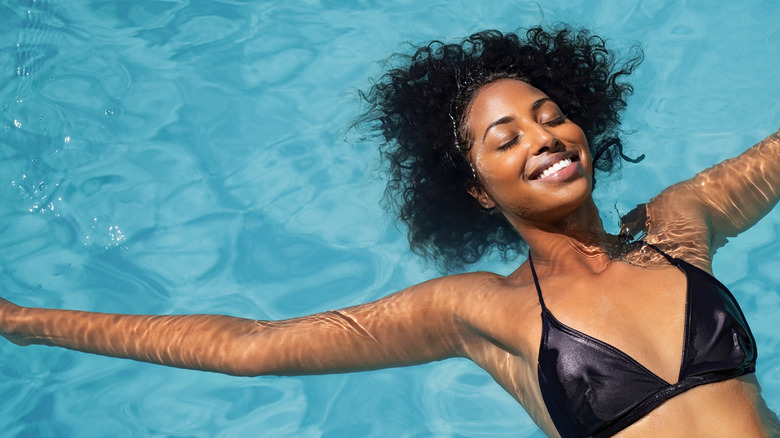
638	311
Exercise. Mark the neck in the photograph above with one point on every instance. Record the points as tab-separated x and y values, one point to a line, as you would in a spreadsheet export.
576	239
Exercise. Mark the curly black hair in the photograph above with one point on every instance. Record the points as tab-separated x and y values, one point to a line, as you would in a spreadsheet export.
418	110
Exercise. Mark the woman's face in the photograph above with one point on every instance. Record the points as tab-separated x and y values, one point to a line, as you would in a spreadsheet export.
533	162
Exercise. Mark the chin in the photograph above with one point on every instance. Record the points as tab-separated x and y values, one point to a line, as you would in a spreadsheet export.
568	209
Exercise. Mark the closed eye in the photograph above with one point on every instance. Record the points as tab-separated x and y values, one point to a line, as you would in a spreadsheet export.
555	122
509	144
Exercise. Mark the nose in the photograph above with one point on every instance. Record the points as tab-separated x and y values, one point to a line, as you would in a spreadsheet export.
542	140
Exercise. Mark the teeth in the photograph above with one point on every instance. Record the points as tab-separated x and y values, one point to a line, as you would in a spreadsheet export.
555	167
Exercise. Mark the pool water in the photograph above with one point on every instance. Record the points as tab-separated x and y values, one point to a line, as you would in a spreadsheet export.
194	157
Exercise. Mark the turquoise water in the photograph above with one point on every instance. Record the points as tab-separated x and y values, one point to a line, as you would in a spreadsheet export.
193	157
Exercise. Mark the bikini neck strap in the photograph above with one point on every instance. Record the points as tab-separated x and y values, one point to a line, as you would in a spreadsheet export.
536	281
658	250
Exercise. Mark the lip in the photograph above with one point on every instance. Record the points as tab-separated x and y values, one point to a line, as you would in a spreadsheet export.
550	159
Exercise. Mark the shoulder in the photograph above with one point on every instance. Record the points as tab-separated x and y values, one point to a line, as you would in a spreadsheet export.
460	294
477	286
674	222
502	310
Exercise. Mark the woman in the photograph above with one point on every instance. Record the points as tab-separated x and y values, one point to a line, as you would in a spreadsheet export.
493	144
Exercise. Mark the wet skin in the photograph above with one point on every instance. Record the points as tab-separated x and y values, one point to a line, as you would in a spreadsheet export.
634	301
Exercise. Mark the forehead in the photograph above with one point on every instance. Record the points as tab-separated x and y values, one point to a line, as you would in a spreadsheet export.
501	97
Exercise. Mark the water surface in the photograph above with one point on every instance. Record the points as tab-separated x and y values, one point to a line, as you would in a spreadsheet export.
193	157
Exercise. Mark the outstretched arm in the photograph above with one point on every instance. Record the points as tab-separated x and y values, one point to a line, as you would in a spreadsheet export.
414	326
738	192
721	201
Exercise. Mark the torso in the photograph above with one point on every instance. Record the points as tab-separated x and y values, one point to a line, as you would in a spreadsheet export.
639	310
636	303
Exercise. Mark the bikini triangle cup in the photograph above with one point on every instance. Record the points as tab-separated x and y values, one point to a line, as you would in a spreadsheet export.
591	388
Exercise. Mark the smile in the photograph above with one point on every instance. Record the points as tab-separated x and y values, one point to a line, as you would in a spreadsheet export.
555	167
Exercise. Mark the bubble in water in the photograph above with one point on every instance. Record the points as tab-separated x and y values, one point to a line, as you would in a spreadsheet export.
99	235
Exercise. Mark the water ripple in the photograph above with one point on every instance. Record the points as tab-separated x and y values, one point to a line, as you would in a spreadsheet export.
175	157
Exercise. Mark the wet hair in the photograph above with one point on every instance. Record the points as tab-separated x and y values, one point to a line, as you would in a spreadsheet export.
418	109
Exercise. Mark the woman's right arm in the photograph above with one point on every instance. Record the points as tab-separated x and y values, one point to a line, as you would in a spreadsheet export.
413	326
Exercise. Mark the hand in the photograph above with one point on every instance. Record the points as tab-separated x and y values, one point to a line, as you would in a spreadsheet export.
7	309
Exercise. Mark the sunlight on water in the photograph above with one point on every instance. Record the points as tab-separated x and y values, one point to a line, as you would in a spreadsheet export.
194	157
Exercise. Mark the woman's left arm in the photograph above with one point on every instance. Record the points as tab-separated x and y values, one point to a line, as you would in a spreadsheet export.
729	197
738	192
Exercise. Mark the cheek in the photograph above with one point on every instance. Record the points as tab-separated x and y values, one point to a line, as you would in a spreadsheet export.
577	136
498	168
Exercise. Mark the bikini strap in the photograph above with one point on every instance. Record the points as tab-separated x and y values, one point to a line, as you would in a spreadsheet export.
667	256
536	282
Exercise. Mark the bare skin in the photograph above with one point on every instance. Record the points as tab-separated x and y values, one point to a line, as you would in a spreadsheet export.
634	301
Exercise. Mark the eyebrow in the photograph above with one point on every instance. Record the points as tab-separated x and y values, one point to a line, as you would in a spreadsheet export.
507	119
538	104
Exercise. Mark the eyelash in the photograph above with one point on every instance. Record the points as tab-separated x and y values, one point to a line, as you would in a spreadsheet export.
556	122
509	144
553	123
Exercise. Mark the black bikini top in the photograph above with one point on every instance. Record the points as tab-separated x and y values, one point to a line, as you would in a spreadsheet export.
592	389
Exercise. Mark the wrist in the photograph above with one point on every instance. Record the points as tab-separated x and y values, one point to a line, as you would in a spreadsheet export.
11	322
